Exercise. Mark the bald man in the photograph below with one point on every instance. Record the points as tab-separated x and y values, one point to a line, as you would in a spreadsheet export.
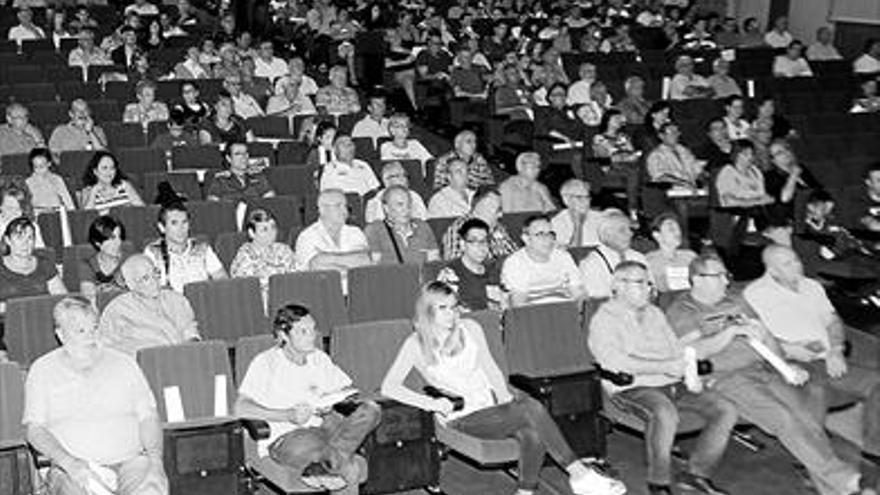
330	244
80	133
147	315
797	312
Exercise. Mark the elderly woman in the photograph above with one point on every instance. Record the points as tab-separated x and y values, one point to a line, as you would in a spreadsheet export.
48	190
100	272
105	186
720	80
338	98
263	256
146	109
22	272
465	149
686	84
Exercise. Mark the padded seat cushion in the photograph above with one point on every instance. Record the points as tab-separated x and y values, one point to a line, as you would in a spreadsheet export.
485	452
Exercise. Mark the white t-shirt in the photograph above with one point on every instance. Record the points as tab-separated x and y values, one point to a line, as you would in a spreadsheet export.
272	70
866	64
369	127
355	178
448	203
786	67
315	239
275	382
413	151
20	33
776	40
521	273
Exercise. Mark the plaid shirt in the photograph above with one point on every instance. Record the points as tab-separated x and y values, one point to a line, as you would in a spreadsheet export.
479	173
500	242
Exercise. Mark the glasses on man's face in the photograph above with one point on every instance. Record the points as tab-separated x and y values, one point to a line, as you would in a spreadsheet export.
478	241
582	197
544	234
713	275
640	282
148	276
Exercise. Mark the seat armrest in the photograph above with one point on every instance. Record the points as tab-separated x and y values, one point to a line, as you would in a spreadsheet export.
40	460
257	429
542	386
619	378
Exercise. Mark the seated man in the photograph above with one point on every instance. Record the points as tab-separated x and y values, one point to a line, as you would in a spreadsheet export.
17	135
89	410
330	244
454	199
718	324
243	104
475	278
468	80
615	236
338	98
523	192
346	172
80	133
486	207
669	262
865	207
374	125
629	334
293	386
400	237
239	182
147	315
798	313
393	174
540	272
576	225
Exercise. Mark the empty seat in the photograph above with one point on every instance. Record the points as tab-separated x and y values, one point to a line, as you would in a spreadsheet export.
25	74
196	157
210	218
124	135
226	246
49	113
16	164
119	90
30	327
318	290
296	180
141	160
397	284
228	309
33	91
140	223
292	152
105	110
270	127
74	163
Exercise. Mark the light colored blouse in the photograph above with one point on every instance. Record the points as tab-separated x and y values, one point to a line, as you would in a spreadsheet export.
49	192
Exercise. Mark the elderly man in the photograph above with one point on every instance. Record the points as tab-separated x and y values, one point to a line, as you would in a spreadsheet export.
400	237
823	48
338	98
90	411
239	182
243	104
576	225
629	334
487	207
80	133
719	323
330	244
465	149
87	53
615	235
346	172
540	272
393	174
523	192
147	315
686	84
26	29
296	71
17	135
798	313
454	199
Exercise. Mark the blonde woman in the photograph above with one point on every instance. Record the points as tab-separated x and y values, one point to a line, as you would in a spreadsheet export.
452	355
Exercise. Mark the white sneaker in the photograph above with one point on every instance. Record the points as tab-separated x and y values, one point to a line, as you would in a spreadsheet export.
594	483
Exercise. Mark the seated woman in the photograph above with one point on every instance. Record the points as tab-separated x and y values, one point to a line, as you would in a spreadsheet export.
668	263
452	355
48	190
614	145
785	177
263	256
291	102
100	272
741	183
673	163
22	272
322	152
224	126
180	258
105	186
146	109
737	126
15	202
401	146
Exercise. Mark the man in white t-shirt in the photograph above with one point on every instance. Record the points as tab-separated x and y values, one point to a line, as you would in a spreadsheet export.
347	172
540	272
26	29
294	386
330	244
869	62
90	411
267	65
374	125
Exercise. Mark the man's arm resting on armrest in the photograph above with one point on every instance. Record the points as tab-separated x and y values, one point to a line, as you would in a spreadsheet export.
45	442
342	261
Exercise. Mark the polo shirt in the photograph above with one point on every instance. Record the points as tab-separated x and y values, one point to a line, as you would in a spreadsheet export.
449	203
818	51
271	70
413	248
68	137
94	415
356	177
315	239
776	40
228	186
522	273
792	316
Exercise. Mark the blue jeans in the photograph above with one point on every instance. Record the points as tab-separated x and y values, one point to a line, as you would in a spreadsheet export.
659	407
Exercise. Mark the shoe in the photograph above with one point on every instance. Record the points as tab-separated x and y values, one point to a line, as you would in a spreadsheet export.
317	475
594	483
701	484
654	489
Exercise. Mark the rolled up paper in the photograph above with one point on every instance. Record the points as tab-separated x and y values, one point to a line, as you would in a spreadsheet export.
691	375
777	362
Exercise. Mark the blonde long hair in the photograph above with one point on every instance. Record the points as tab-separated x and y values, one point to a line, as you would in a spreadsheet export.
434	345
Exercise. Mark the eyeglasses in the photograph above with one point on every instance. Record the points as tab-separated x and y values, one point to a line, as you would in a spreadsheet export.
637	281
713	275
549	234
578	196
479	242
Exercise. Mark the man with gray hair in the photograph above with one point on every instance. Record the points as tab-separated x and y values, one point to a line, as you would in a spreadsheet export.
523	192
400	237
80	133
90	410
577	225
393	174
615	235
18	135
147	315
330	244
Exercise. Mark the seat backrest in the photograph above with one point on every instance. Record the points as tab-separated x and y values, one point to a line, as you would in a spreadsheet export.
366	350
490	321
74	163
382	292
287	210
291	180
246	349
30	328
210	218
186	183
227	309
11	405
194	369
140	222
190	157
227	244
142	160
318	290
545	339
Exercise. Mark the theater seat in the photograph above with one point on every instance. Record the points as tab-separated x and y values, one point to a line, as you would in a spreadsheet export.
318	290
30	327
397	286
228	309
15	460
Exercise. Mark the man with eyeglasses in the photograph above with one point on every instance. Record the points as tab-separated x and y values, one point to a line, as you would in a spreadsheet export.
540	272
393	174
629	334
577	224
475	277
718	323
147	315
799	314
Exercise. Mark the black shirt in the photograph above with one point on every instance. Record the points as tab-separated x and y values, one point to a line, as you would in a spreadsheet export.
472	286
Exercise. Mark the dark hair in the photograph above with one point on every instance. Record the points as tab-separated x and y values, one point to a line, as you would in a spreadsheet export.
666	126
126	29
738	147
540	217
323	127
90	179
606	119
20	192
712	121
15	227
732	98
869	44
471	224
256	216
820	196
287	316
37	152
699	263
875	167
795	43
163	244
557	85
102	229
660	219
657	107
227	151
